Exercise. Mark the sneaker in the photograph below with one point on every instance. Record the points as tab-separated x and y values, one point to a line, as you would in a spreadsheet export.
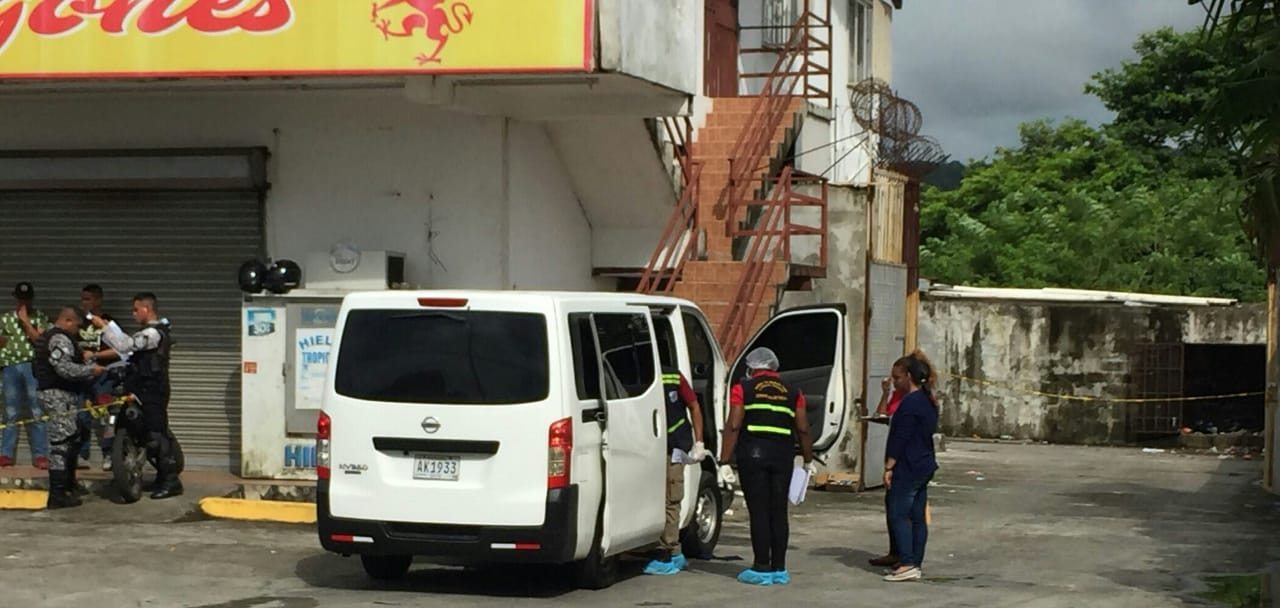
661	568
106	465
5	461
753	577
680	561
781	577
910	574
42	463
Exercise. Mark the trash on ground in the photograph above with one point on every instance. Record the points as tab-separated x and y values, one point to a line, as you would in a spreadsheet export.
1152	451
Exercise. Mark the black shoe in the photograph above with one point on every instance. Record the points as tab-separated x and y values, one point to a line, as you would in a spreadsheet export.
59	497
167	490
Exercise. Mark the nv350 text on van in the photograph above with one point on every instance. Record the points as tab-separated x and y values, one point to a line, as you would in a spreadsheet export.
518	427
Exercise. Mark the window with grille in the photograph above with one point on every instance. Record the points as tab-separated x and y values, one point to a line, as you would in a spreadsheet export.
779	17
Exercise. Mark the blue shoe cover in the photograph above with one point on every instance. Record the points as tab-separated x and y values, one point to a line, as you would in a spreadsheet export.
661	568
781	578
752	577
680	561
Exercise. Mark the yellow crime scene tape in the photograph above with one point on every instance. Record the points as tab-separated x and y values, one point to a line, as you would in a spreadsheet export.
98	411
1064	397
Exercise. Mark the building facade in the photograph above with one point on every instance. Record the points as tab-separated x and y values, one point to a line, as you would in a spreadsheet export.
154	146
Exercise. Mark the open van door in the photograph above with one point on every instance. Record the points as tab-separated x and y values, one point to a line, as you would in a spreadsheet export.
633	420
810	344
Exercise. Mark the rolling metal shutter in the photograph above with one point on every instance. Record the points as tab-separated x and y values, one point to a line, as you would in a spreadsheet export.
185	247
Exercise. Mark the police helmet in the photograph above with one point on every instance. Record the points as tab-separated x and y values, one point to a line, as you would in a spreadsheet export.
251	275
283	276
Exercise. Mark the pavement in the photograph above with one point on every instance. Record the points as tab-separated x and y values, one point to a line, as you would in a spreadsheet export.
1013	525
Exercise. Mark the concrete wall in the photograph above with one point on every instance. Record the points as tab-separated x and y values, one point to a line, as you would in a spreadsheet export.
473	201
1067	349
845	283
656	40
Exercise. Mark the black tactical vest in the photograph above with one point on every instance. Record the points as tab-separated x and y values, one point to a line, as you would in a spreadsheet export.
149	369
42	368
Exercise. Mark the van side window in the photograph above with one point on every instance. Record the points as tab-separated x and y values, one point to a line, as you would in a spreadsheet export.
700	355
586	367
666	341
627	348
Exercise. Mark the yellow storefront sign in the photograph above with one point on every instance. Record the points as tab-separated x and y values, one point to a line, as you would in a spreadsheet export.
194	38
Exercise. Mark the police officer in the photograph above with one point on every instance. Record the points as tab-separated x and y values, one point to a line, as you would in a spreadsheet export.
766	419
147	378
684	428
60	378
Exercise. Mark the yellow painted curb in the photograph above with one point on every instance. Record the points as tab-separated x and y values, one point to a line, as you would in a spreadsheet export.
259	510
29	500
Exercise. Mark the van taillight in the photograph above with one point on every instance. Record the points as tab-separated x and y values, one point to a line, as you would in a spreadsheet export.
559	452
323	430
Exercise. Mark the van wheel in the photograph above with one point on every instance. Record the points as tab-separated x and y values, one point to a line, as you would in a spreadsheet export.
386	567
596	571
700	538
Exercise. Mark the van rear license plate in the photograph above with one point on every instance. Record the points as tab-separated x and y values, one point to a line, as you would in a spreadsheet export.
439	468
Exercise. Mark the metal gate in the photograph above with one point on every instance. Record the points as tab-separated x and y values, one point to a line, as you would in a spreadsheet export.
184	247
1156	370
886	343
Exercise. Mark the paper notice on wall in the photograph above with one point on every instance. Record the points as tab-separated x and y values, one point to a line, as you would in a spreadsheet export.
312	364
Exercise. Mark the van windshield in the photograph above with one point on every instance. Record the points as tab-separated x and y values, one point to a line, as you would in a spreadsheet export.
451	357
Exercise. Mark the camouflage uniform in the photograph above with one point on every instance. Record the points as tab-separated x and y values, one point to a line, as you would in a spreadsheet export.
60	375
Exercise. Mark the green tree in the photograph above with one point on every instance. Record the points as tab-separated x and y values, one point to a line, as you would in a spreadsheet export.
1145	203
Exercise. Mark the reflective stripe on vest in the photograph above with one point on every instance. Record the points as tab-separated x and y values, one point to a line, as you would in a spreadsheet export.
673	428
755	428
771	408
671	379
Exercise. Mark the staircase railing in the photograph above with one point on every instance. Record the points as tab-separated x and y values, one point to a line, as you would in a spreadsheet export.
769	248
678	243
791	79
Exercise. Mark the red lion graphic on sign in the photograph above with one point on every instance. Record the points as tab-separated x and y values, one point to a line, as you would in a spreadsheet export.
430	17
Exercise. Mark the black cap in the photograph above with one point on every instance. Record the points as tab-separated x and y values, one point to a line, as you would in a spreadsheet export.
24	291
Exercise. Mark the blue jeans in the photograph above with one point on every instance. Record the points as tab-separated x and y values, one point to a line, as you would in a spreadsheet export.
906	501
19	386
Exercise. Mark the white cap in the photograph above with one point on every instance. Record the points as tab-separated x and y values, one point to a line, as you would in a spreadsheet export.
762	358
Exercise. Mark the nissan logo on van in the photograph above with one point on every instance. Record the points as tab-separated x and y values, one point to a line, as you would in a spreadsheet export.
430	425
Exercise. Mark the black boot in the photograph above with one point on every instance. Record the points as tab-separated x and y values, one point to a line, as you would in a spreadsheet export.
73	486
59	497
167	484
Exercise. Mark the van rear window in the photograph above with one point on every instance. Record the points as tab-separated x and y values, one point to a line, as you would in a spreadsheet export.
453	357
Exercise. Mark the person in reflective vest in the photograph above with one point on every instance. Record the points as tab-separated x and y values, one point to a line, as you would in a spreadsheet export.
766	420
684	447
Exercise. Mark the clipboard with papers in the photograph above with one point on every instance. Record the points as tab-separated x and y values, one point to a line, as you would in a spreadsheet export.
799	485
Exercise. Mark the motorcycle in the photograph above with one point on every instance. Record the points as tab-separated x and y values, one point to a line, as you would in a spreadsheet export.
131	447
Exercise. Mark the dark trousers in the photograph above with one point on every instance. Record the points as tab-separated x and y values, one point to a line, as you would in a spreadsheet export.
765	481
155	414
905	503
888	525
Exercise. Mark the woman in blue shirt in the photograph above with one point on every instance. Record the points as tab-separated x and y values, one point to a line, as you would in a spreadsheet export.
910	463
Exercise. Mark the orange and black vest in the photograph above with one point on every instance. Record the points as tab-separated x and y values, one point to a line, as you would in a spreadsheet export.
770	409
679	430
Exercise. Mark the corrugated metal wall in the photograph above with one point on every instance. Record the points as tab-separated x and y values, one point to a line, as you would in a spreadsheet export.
184	247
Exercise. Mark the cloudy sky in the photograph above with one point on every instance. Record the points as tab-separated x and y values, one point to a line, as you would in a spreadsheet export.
978	68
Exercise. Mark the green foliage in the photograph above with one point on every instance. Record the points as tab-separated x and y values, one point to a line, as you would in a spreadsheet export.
1245	111
1142	204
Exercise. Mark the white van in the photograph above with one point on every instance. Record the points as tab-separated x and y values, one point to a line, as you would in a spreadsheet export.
507	426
